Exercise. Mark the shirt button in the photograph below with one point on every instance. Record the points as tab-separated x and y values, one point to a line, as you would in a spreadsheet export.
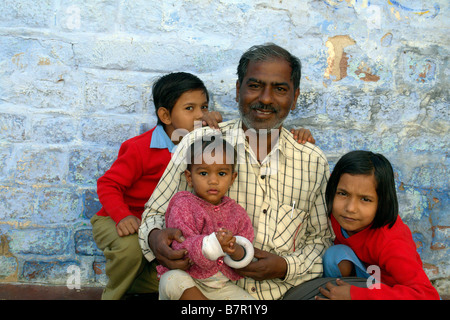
263	176
265	211
253	289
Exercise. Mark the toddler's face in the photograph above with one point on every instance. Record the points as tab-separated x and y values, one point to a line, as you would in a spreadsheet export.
211	181
356	201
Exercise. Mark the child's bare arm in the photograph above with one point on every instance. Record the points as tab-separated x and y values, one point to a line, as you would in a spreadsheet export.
212	119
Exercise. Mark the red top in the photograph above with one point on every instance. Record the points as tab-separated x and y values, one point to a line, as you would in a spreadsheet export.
197	218
125	188
394	252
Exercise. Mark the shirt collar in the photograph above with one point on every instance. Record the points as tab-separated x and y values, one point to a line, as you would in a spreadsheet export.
241	138
160	140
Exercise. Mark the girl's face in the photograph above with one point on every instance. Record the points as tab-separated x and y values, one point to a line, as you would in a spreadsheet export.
211	181
355	202
189	108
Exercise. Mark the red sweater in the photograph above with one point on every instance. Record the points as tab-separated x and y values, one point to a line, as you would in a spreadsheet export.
125	188
394	251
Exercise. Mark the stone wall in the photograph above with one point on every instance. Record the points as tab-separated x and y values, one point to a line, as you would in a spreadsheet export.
75	82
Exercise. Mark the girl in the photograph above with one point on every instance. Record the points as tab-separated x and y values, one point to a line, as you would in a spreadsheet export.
217	231
363	208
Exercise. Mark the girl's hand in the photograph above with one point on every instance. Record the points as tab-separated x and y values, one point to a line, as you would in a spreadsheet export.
303	135
226	240
339	292
212	119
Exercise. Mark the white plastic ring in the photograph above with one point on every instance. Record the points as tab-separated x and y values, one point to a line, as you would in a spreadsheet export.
249	253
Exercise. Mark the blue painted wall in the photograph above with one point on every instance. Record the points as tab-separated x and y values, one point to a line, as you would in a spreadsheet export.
75	82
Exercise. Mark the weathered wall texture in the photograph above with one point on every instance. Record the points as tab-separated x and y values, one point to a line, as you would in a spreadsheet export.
75	81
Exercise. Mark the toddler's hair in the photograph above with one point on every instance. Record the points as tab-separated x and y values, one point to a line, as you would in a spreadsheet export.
368	163
213	146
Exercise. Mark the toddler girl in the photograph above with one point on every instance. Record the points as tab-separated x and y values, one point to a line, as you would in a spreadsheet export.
217	231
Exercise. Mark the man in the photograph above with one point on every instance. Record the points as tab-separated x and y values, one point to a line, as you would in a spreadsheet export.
281	184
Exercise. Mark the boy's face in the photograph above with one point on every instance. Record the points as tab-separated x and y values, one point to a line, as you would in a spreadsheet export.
211	181
188	109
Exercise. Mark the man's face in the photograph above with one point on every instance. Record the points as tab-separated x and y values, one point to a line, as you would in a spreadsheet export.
266	94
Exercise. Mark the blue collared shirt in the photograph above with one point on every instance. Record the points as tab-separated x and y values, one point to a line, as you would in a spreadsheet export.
161	140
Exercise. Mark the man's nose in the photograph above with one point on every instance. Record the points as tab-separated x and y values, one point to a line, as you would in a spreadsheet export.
266	95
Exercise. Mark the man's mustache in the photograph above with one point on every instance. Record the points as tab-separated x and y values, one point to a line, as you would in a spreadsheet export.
264	107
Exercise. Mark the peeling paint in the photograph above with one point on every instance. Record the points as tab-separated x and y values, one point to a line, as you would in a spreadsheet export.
337	58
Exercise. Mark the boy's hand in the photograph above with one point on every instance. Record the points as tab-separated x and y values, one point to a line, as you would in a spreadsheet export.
212	119
128	225
303	135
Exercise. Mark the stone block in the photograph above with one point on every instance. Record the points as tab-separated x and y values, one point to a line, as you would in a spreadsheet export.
16	203
91	204
53	272
108	130
85	244
38	72
44	165
57	206
9	269
25	13
86	165
13	127
117	92
42	241
86	16
54	129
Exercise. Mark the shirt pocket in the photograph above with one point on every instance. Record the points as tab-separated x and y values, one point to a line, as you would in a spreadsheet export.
290	227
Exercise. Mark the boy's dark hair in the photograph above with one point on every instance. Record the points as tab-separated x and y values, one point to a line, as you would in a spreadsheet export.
270	51
209	144
367	163
168	89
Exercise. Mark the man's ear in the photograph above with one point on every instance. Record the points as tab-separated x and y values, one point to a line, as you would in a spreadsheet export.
164	116
296	94
238	86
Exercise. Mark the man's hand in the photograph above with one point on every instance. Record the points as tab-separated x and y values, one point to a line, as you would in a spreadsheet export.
160	241
339	292
128	225
268	266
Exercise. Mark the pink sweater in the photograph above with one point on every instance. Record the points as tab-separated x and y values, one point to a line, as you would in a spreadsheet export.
197	218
